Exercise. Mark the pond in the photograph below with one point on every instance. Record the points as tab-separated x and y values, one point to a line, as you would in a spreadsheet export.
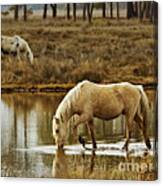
28	148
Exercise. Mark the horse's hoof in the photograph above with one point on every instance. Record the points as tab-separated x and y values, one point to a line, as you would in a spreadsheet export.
148	144
125	148
146	153
94	146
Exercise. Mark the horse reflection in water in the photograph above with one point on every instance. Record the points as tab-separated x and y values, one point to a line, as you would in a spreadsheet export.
88	100
62	168
60	165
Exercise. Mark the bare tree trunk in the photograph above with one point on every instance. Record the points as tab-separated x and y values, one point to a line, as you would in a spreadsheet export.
90	7
111	10
16	13
117	10
74	11
154	13
45	11
68	11
133	9
84	11
103	10
88	12
148	10
129	10
136	9
25	12
54	10
139	10
142	10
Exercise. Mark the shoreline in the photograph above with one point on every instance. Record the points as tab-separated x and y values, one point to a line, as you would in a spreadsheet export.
50	88
37	88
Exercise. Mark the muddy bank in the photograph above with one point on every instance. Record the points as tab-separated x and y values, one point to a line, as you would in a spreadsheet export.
12	88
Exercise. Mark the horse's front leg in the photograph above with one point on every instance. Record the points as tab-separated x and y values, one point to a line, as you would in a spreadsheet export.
18	55
91	130
83	118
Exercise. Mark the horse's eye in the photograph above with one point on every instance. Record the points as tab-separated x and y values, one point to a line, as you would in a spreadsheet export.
57	131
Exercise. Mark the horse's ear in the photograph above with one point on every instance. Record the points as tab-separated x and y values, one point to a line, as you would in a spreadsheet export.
16	37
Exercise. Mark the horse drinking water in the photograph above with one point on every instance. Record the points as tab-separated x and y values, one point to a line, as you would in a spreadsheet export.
88	100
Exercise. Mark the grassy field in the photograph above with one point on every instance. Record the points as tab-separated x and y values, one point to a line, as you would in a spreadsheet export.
112	172
68	52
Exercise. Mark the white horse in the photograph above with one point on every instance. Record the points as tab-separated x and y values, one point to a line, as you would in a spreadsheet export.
88	100
16	46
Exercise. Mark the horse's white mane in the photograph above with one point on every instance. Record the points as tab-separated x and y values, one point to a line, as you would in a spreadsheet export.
66	105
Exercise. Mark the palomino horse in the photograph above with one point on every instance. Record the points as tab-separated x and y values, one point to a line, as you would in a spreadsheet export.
88	100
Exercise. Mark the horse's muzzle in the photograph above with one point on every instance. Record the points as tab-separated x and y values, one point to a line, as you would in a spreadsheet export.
60	146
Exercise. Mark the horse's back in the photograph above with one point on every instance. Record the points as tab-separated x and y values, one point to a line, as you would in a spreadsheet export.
110	95
93	89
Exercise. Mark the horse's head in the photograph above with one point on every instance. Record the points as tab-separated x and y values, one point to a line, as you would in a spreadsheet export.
13	44
59	132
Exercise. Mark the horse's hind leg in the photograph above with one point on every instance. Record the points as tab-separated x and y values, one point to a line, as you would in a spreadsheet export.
139	120
91	130
129	120
128	134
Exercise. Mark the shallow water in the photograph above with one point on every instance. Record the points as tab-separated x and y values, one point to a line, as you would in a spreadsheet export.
28	149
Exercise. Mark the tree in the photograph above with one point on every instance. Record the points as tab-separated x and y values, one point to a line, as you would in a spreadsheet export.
25	12
90	7
103	10
142	8
130	10
111	10
117	10
54	10
154	13
68	11
16	13
74	11
148	9
45	11
136	9
84	11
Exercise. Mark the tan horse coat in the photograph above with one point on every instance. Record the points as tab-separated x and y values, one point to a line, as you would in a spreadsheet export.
89	100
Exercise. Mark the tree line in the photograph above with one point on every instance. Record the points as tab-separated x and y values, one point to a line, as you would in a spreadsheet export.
140	10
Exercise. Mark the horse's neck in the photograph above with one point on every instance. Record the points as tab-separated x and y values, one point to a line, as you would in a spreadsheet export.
67	108
65	112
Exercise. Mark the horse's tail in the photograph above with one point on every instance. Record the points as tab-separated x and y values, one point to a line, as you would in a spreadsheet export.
145	112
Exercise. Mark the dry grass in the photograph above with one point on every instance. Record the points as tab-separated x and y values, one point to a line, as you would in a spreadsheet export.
67	51
108	168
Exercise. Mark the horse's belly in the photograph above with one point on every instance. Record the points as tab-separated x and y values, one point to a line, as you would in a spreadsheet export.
108	113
